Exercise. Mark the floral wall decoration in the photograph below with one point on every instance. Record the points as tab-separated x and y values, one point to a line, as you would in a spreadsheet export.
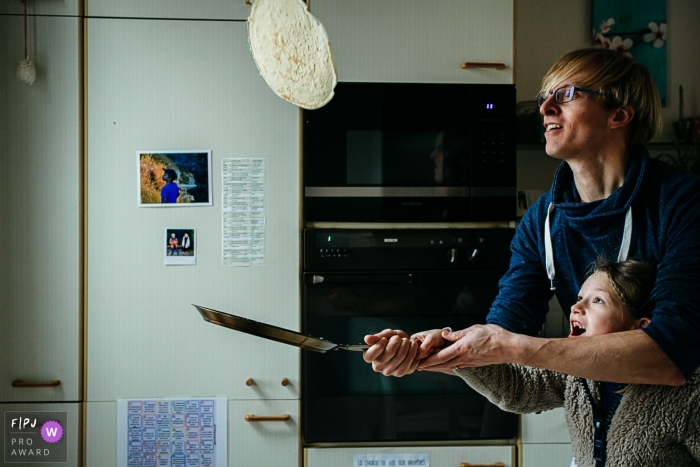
636	28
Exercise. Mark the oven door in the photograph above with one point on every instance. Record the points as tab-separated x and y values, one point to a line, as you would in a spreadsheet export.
344	400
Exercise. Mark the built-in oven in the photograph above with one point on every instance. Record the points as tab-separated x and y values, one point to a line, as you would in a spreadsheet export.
406	152
358	282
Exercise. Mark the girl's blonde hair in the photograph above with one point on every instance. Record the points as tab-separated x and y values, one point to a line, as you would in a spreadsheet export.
631	281
623	81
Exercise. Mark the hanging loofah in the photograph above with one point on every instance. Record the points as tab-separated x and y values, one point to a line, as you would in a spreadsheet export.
26	72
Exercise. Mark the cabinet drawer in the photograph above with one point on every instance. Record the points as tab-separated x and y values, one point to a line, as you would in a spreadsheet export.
263	442
71	432
448	456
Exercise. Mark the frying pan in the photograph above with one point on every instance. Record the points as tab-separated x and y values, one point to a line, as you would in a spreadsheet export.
274	333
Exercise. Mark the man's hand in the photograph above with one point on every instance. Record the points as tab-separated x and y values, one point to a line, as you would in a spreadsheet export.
475	346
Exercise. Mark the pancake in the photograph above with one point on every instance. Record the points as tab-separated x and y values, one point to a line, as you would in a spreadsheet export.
292	51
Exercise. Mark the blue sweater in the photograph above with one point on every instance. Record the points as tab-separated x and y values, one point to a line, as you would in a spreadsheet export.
665	232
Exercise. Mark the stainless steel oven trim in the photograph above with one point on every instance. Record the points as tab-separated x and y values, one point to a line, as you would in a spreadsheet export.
492	191
406	191
386	192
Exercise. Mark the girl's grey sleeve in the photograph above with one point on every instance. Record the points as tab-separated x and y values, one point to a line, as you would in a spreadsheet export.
516	388
692	429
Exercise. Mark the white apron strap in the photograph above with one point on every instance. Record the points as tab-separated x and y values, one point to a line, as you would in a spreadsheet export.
626	237
548	254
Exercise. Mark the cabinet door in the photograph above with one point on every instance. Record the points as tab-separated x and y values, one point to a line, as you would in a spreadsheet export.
71	431
175	9
252	443
547	455
185	85
419	41
545	427
446	456
40	211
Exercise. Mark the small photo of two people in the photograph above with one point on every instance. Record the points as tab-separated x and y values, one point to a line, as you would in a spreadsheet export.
179	246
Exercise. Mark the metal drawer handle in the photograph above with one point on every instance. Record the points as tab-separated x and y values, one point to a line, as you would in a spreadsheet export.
255	418
495	464
495	66
35	384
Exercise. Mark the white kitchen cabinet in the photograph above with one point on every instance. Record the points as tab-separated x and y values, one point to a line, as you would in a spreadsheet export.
260	443
169	9
419	41
42	7
546	441
71	431
546	455
40	289
184	85
545	427
250	443
443	456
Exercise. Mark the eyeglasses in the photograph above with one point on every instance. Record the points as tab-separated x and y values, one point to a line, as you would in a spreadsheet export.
563	95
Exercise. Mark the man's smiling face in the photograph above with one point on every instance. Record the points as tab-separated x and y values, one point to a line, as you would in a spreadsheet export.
572	128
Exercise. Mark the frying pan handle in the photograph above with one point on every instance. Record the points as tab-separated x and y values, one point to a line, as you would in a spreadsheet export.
256	418
354	347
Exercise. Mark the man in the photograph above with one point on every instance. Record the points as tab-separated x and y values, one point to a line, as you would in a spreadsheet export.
608	199
170	191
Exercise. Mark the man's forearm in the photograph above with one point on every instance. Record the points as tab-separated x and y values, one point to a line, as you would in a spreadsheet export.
622	357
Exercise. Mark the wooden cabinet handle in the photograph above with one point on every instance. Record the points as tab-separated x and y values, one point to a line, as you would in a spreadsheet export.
255	418
35	384
495	464
495	66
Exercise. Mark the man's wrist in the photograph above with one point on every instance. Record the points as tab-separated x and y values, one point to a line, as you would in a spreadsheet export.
520	349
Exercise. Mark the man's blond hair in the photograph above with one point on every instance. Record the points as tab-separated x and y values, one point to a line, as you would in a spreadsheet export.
623	81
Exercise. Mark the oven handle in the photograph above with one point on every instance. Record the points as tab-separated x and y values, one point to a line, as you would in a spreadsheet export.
312	279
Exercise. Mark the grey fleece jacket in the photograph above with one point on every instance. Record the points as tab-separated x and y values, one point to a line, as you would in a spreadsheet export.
653	425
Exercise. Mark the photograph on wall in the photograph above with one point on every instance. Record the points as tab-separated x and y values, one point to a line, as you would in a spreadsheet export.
174	178
180	246
636	28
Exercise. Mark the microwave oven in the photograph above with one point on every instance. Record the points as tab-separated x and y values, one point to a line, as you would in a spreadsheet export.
407	152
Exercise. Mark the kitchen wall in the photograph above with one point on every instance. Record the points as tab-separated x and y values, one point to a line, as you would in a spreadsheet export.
547	29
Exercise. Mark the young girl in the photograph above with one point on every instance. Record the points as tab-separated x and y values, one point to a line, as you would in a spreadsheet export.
610	424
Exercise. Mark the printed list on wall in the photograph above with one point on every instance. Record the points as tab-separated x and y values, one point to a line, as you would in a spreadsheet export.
243	212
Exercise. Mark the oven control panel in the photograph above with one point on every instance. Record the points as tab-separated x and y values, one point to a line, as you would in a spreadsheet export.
410	249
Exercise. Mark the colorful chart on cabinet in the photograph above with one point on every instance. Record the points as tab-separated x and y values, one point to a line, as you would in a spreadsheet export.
185	432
